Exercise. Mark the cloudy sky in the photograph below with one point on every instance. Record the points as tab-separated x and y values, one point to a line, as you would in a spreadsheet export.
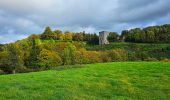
20	18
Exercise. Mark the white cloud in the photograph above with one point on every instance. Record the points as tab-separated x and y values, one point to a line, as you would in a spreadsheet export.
7	38
23	23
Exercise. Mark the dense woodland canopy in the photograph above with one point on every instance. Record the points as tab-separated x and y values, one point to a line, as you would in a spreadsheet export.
56	48
152	34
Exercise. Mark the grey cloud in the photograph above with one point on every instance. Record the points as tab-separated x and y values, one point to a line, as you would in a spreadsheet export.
151	10
19	18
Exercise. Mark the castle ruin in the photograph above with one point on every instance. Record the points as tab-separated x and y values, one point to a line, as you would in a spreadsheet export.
103	37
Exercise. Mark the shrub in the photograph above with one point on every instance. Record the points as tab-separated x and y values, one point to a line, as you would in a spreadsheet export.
85	57
69	54
105	57
80	56
165	60
150	59
23	70
48	59
2	72
92	56
118	55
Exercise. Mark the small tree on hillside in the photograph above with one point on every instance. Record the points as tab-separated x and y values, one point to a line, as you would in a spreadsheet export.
48	34
69	54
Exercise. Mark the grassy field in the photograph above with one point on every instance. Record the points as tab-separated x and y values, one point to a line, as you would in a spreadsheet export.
115	81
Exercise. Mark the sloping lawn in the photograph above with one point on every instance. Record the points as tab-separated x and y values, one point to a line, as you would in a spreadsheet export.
119	80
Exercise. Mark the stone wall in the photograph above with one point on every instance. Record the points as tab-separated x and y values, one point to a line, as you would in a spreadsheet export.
103	37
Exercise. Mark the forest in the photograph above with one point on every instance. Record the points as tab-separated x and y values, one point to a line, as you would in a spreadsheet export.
52	49
152	34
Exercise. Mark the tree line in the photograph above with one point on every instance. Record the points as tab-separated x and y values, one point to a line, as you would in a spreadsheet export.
56	48
27	55
69	36
152	34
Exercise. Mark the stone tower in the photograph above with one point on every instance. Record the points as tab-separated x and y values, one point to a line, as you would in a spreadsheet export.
103	37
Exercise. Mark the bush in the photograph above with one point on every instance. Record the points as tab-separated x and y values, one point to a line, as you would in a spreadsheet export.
48	59
86	57
2	72
165	60
118	55
92	56
104	56
69	54
150	59
24	70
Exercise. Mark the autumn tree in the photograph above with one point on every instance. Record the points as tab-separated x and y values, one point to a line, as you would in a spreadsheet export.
78	37
83	56
48	34
4	62
80	56
92	56
14	57
58	34
48	59
68	35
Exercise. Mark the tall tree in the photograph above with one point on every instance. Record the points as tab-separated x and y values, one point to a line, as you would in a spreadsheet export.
48	34
58	33
78	37
113	37
32	62
68	35
15	59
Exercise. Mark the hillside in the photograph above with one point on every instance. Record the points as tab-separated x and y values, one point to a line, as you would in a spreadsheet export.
55	48
128	80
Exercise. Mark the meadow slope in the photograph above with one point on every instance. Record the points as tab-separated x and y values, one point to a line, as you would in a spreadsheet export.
117	80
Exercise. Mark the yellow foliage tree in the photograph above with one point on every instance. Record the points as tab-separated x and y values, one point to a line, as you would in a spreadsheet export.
68	35
48	59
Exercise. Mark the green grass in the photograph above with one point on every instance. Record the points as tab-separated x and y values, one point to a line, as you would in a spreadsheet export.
119	80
